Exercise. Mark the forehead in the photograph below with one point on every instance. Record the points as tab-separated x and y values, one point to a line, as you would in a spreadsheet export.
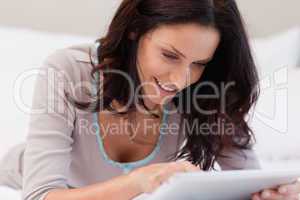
193	40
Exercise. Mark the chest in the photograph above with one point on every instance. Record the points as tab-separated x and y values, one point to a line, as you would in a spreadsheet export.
127	142
120	150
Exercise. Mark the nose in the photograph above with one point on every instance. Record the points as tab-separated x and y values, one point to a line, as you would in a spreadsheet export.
180	77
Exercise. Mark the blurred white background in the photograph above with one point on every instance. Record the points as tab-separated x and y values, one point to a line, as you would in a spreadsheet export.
91	17
31	29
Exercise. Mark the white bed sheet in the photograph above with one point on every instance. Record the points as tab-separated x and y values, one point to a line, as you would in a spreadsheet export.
7	193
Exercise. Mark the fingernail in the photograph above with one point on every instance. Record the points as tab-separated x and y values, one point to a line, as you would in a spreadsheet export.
266	194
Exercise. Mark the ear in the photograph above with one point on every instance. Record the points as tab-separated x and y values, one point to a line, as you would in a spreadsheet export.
132	36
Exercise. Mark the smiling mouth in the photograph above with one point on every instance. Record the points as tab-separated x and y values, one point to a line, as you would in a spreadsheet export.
165	88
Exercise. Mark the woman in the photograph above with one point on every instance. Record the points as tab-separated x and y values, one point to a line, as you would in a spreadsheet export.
179	73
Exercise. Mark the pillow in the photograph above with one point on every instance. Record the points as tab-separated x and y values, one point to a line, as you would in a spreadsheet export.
21	50
275	118
9	193
277	51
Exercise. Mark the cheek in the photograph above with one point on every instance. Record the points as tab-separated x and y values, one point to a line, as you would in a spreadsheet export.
153	66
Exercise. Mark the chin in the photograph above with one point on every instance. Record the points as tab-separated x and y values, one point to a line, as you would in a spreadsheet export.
157	99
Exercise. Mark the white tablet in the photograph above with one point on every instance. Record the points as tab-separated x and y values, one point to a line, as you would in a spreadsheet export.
222	185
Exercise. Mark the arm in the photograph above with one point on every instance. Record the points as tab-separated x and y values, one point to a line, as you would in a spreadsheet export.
119	188
47	155
49	139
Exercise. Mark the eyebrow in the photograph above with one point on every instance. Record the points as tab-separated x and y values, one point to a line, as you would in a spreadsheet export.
204	61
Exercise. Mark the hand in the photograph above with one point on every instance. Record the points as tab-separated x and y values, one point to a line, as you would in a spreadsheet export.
284	192
150	177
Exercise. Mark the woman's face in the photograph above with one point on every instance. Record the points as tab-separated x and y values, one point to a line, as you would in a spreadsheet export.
172	57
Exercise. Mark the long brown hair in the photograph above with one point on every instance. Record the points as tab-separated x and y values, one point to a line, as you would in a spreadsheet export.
232	62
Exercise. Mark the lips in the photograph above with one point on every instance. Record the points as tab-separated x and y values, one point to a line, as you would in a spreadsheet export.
165	88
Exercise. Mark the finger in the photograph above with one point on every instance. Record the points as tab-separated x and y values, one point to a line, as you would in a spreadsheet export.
182	166
171	169
154	185
189	167
271	195
176	167
290	188
293	197
179	166
256	196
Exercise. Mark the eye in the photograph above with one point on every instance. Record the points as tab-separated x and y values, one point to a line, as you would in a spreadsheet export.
170	56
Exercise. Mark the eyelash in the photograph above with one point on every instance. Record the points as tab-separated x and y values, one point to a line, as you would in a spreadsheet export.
170	56
175	58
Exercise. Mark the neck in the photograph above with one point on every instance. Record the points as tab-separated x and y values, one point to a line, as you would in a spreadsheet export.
153	108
